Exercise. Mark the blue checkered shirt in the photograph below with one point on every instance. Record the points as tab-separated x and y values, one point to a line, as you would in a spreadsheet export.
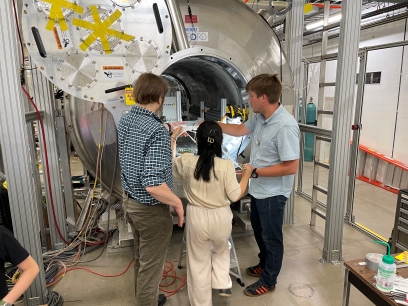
144	154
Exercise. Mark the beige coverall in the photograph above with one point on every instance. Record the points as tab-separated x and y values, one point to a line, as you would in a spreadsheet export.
208	226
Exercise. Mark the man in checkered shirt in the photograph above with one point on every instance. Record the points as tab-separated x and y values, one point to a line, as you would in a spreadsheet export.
146	160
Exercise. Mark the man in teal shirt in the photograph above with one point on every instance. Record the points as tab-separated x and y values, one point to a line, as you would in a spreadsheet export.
275	158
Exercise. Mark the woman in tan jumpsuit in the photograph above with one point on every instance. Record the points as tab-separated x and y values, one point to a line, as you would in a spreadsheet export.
210	185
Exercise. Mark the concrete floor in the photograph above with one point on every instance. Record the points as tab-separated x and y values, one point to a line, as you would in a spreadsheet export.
373	207
302	281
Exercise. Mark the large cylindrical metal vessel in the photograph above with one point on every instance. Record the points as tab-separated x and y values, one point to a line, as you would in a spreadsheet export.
228	45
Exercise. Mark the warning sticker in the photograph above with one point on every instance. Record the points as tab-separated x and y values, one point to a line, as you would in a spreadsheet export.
63	38
193	34
113	72
129	96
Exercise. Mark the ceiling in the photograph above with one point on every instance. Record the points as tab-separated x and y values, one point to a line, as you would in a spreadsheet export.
369	7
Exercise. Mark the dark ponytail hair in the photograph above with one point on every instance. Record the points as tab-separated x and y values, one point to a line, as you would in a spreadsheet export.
209	141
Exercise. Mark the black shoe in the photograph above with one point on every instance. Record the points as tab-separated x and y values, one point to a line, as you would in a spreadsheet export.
255	271
162	299
225	293
257	289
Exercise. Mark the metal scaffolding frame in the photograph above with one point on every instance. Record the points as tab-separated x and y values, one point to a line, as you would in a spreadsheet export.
354	149
343	110
43	94
37	182
356	136
65	170
356	125
16	153
339	136
320	105
294	42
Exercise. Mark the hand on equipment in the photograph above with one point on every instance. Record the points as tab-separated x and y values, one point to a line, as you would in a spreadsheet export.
246	171
177	131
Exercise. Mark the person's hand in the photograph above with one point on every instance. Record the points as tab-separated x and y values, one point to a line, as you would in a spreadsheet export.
177	131
246	171
180	213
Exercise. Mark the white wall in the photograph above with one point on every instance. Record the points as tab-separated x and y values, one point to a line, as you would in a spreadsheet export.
401	132
379	114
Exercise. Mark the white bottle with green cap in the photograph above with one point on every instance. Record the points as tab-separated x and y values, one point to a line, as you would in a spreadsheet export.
386	271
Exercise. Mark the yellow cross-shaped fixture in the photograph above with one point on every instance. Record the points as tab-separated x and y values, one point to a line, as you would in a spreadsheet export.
101	29
56	13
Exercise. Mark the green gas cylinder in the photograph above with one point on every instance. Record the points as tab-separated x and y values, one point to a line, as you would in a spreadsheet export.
309	138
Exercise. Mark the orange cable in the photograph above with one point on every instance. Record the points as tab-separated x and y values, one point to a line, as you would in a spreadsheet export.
166	273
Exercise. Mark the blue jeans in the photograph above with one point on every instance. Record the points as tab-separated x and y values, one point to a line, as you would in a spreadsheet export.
267	221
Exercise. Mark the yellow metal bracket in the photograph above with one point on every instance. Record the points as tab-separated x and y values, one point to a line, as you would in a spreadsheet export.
101	29
56	13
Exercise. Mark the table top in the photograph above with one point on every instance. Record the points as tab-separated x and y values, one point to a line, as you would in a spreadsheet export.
367	276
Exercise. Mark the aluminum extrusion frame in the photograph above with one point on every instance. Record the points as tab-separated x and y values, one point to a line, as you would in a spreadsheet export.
343	110
16	153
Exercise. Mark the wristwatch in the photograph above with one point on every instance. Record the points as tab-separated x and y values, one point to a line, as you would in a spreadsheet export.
254	174
3	303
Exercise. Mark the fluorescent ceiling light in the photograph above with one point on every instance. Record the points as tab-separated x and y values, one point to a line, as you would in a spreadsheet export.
317	24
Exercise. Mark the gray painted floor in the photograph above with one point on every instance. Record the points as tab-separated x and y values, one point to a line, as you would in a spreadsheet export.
302	281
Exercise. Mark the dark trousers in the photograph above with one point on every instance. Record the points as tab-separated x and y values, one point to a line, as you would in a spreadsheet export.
267	220
152	227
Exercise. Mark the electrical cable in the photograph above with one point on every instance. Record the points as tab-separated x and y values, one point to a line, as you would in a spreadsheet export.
46	165
62	274
170	272
54	298
42	131
54	260
190	14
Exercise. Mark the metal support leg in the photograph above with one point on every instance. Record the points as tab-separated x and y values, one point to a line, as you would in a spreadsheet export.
320	104
37	186
223	107
294	43
43	94
356	136
303	120
178	106
343	111
183	249
234	264
16	153
346	290
66	172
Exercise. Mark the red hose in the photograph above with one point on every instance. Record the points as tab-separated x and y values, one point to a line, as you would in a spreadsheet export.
321	5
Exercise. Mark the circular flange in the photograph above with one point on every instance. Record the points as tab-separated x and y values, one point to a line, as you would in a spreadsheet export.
126	3
104	12
77	70
142	55
45	8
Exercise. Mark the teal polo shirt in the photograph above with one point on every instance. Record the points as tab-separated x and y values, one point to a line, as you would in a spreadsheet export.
274	140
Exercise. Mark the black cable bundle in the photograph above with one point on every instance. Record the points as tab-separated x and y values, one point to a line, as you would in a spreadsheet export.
54	298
